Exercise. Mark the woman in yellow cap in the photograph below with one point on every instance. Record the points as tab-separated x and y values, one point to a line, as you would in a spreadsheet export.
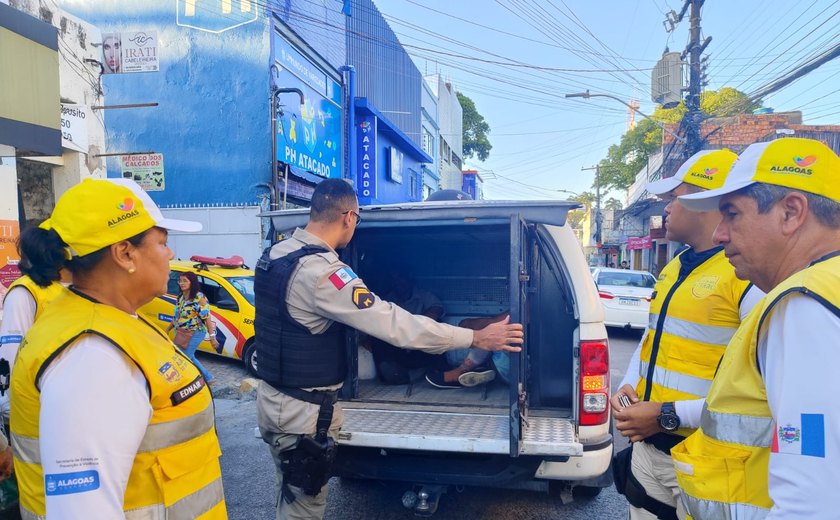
23	303
109	419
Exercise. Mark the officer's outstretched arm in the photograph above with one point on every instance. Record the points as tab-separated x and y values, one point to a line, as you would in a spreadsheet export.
502	335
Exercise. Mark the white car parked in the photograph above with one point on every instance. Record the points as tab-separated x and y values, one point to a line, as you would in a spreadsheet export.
625	295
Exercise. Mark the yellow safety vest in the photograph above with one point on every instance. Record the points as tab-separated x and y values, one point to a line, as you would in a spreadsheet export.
722	468
176	472
42	295
690	323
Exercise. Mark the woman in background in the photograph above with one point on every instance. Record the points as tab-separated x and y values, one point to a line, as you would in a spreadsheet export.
192	321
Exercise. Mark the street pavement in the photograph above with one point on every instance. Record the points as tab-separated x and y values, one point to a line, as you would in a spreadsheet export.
248	471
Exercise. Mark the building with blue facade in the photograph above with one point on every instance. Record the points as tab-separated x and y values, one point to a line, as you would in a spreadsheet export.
217	62
235	102
387	111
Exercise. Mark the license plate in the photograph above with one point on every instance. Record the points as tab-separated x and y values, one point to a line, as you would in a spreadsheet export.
628	301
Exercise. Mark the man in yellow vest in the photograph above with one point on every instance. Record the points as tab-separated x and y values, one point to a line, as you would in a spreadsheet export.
696	306
769	436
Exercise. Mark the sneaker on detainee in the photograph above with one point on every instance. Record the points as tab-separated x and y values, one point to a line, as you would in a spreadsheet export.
436	379
477	376
471	378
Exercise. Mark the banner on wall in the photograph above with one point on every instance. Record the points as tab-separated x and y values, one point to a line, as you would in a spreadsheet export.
130	52
74	130
146	169
639	243
218	16
309	135
9	257
366	158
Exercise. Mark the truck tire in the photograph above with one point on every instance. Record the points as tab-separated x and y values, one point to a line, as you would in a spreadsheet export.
559	489
585	492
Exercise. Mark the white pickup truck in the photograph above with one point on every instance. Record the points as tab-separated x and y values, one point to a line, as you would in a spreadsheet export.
547	425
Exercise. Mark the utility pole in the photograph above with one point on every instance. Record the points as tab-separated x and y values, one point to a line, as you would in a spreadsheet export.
598	218
694	50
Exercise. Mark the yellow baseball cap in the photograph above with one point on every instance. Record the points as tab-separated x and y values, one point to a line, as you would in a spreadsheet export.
706	169
97	213
800	164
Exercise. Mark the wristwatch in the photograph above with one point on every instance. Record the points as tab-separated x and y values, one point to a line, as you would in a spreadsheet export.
668	418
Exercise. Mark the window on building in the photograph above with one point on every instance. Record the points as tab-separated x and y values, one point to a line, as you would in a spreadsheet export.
413	185
456	160
445	151
428	142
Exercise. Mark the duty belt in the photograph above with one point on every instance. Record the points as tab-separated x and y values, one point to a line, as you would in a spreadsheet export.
326	399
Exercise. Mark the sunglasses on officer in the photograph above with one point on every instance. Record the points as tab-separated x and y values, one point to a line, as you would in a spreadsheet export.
356	213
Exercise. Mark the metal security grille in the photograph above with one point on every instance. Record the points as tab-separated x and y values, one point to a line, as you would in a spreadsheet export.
459	273
478	290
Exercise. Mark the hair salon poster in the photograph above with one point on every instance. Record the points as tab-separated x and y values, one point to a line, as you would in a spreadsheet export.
9	257
130	52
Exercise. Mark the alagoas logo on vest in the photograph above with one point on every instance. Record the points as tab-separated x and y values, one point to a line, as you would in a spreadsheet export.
70	483
704	286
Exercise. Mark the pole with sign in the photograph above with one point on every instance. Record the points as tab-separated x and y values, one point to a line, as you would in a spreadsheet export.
366	152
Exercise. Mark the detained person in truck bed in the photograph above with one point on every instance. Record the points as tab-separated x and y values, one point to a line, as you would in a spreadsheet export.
393	363
305	299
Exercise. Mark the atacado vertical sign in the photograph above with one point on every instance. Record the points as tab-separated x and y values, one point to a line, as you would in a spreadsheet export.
366	158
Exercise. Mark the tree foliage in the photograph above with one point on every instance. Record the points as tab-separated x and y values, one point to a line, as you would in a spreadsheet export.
624	160
476	142
576	217
613	204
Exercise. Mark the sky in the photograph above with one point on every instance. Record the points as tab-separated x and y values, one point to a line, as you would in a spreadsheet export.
516	59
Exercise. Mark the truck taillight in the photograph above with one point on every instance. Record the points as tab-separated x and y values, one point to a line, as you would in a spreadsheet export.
594	382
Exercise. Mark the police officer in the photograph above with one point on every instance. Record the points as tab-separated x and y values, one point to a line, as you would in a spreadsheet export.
695	308
305	299
769	438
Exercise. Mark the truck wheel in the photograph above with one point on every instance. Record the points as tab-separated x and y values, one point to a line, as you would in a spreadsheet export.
585	492
249	358
560	489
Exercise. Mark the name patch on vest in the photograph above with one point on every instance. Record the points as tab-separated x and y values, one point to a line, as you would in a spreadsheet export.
182	394
70	483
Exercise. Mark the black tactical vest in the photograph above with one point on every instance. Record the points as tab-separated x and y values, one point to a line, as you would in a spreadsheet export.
288	355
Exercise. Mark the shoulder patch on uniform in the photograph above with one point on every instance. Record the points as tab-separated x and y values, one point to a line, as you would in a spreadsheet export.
362	297
342	277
